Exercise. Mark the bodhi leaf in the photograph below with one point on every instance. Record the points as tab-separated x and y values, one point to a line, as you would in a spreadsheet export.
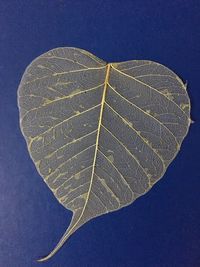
100	135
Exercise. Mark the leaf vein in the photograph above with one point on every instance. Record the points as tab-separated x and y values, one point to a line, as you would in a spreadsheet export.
60	123
123	178
138	134
147	114
152	88
128	151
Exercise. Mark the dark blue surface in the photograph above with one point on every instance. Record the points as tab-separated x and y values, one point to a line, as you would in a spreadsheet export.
162	228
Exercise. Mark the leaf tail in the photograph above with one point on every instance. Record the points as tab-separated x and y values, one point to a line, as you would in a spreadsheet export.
76	223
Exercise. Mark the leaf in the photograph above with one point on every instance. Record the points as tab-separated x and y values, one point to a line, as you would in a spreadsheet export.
100	135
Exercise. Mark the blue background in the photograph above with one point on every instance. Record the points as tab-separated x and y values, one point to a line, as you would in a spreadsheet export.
162	228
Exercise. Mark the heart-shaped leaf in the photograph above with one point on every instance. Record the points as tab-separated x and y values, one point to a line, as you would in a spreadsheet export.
100	134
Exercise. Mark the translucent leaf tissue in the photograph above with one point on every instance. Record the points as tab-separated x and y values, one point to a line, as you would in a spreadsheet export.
100	134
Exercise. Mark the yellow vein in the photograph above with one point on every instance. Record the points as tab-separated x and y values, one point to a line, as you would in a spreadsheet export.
98	198
58	98
42	67
53	127
155	75
134	67
120	174
70	178
66	59
80	70
31	95
152	88
71	95
71	201
99	129
148	114
65	72
127	150
65	197
72	142
96	59
137	132
103	183
54	90
65	162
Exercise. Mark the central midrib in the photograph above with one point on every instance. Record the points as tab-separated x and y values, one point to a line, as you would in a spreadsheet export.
62	241
98	133
97	143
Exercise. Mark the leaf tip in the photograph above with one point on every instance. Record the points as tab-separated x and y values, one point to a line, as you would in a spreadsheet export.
43	259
